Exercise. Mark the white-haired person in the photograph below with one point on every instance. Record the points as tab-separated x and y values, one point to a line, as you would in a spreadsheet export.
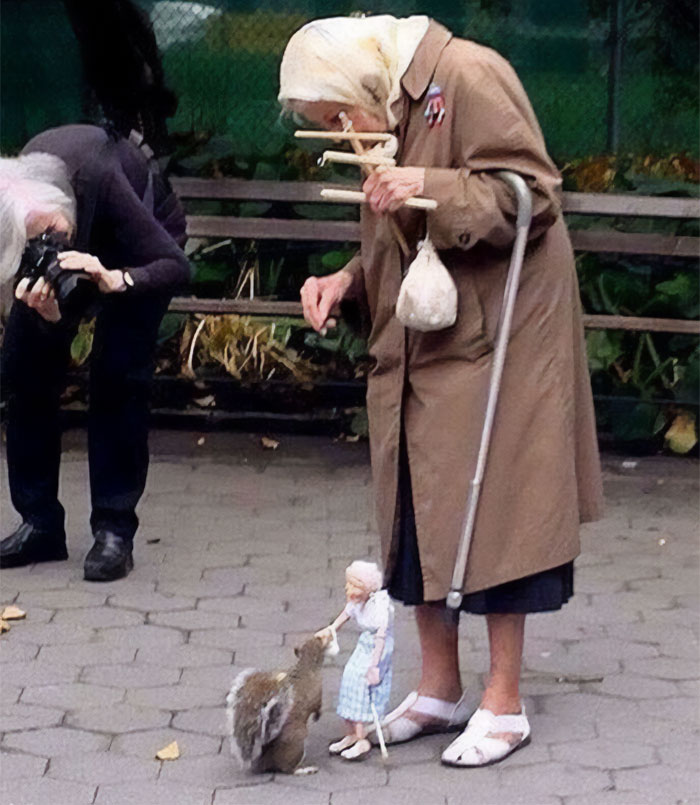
103	197
460	115
367	674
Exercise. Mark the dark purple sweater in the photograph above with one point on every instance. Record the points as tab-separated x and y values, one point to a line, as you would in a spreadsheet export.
114	220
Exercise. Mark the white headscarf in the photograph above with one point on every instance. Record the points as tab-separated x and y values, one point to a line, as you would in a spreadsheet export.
357	61
367	574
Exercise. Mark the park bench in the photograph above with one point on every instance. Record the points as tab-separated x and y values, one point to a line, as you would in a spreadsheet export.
600	205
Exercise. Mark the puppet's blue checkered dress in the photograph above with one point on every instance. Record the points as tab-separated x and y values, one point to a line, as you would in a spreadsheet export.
353	699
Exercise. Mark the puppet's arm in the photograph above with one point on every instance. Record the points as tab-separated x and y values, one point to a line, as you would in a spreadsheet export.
337	623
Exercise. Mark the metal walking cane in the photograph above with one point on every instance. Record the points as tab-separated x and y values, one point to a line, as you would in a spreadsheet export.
378	727
524	204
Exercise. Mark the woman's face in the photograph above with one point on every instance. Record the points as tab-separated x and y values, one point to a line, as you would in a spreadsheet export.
327	115
41	221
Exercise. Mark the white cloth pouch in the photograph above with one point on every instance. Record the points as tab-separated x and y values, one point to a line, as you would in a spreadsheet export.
428	296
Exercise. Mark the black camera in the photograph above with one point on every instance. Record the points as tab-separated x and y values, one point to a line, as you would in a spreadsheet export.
74	290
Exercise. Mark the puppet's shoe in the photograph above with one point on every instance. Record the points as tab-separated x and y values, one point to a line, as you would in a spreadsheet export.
358	751
487	739
422	715
344	743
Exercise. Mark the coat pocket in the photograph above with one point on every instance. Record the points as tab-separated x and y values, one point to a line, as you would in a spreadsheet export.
466	340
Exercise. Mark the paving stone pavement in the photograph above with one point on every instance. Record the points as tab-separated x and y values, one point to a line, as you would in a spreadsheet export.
241	552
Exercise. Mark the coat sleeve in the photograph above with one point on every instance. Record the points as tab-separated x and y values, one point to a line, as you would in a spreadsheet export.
494	128
155	262
354	268
354	308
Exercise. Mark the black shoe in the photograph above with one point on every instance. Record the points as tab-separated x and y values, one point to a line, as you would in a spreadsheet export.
109	558
29	544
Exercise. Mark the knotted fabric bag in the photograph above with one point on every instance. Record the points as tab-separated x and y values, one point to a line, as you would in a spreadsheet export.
428	296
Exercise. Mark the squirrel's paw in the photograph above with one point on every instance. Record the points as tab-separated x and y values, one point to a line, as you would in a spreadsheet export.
306	770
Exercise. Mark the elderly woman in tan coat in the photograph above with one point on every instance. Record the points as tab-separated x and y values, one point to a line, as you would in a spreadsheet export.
460	114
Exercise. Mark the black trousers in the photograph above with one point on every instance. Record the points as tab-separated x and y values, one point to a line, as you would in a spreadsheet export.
35	358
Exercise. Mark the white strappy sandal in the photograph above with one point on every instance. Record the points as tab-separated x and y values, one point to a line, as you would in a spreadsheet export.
344	743
399	727
477	746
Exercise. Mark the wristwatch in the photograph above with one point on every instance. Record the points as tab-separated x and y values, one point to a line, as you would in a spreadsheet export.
128	280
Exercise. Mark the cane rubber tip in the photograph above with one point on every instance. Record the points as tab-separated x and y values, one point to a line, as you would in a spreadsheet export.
454	599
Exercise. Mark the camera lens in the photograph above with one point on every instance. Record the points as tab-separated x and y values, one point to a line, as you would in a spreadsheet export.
74	292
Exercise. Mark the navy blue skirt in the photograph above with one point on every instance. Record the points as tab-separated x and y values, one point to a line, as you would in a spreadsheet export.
546	591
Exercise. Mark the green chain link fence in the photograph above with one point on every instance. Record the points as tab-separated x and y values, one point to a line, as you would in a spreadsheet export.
596	87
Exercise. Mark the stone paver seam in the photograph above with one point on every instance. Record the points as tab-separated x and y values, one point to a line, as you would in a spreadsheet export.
12	751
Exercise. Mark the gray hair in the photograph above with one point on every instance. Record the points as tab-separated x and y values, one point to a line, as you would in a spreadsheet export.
29	183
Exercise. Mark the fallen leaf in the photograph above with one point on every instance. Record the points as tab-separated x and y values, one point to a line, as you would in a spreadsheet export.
4	626
12	613
200	441
269	444
681	437
169	752
205	402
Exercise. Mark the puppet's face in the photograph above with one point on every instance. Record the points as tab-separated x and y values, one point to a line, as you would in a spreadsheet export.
327	115
354	591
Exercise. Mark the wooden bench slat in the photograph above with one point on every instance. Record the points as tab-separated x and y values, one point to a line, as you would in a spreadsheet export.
587	240
262	307
224	226
251	190
242	307
592	322
631	205
581	203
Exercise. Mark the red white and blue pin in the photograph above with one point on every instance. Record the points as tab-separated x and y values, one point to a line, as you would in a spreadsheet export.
435	107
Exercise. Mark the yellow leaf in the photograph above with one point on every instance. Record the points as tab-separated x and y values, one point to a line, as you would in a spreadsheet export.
682	436
205	402
13	614
169	752
4	626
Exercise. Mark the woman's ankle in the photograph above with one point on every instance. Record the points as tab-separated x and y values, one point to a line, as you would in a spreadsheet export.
501	704
446	693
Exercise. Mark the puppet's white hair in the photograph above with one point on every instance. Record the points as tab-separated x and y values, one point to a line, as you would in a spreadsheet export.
29	184
367	573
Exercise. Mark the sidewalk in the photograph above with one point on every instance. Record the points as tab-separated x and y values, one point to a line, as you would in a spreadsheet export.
241	552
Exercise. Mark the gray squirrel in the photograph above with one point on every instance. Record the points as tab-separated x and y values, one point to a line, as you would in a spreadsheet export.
268	712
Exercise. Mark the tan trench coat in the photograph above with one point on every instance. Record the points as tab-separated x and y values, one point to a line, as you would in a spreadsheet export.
543	474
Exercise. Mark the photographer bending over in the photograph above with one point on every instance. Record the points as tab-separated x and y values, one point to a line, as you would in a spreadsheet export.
88	225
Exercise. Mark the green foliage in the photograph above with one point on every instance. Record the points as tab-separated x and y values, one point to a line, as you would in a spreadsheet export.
646	367
339	341
81	346
171	325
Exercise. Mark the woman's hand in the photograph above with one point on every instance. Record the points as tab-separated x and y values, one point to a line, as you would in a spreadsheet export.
319	295
387	188
372	675
40	297
108	281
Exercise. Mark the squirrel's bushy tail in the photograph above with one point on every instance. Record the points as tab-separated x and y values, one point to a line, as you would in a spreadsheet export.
258	705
